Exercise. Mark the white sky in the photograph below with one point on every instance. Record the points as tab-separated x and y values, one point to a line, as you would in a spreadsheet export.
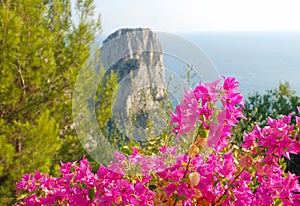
199	15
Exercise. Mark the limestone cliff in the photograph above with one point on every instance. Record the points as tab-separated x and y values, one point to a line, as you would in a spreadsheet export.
135	55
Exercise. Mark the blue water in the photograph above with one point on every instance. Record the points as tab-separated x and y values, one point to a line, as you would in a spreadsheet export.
259	60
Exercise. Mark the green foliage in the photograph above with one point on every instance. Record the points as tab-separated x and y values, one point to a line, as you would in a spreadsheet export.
41	53
105	99
273	103
258	107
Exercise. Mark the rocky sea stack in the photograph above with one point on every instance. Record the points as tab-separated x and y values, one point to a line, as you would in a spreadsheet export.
135	55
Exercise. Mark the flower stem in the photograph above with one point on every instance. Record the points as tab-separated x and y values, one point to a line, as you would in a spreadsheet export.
235	178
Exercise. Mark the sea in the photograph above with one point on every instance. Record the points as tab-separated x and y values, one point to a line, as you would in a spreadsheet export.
259	60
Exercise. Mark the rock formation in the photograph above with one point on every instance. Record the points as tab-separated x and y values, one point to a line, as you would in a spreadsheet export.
135	55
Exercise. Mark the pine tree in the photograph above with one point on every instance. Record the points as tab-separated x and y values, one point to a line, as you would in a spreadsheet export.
42	49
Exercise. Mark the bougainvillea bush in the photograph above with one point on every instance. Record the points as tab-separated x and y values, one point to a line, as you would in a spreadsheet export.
213	171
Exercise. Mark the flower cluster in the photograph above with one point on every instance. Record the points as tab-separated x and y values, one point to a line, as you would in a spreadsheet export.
212	172
250	175
277	136
216	108
78	185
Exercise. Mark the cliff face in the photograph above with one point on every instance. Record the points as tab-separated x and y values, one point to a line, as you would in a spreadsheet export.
135	55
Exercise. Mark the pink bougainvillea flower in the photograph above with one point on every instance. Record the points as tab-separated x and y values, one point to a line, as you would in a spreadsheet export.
170	189
277	137
249	139
216	130
187	114
298	118
187	202
185	190
200	105
209	92
230	84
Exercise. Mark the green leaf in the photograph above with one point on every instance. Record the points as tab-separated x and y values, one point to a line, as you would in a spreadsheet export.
91	193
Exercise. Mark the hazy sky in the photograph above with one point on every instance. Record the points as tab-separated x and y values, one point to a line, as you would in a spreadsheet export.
199	15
